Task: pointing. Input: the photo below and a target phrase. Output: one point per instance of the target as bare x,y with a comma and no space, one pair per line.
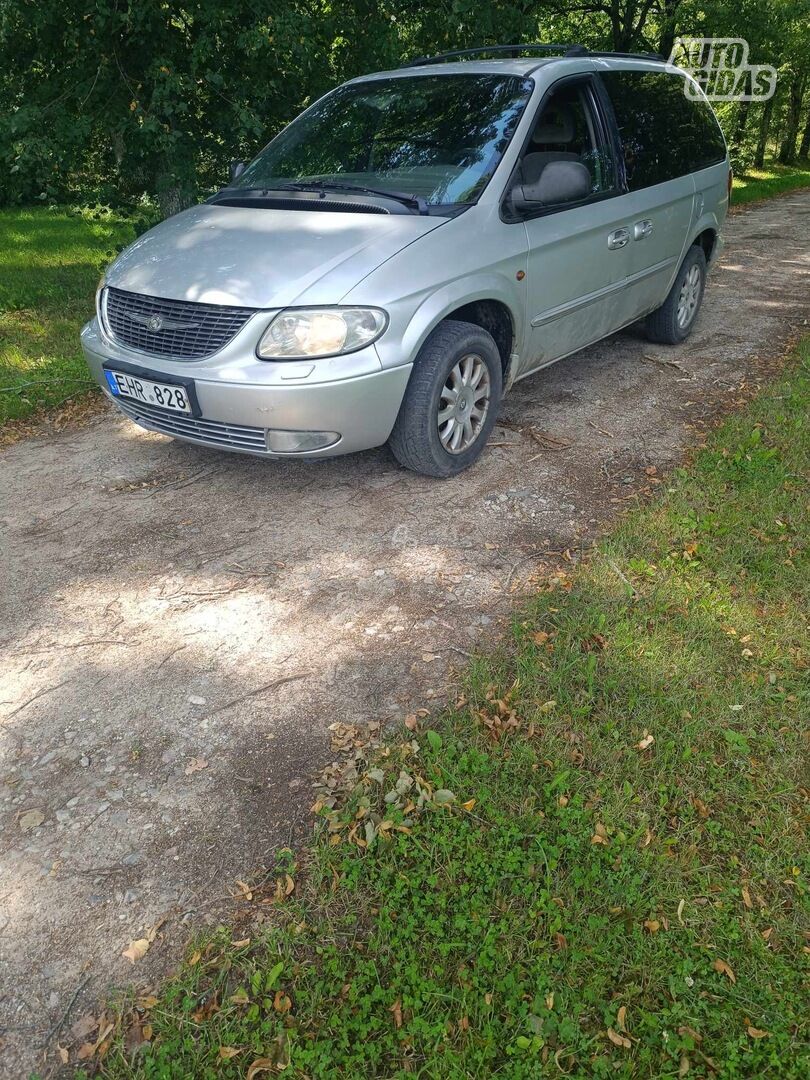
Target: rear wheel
451,402
672,323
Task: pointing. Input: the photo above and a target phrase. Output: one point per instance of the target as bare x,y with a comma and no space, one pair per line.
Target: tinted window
665,133
438,136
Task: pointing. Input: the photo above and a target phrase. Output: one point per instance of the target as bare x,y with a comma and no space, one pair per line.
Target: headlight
309,332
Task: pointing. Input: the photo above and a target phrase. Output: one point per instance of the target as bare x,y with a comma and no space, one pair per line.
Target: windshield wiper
335,185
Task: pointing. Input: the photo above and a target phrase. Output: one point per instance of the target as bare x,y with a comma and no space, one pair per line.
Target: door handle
618,239
642,229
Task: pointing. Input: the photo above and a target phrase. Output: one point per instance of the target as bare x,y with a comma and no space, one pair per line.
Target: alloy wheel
689,297
464,404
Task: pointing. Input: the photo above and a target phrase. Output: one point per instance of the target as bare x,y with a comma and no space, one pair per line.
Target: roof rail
564,50
625,55
514,50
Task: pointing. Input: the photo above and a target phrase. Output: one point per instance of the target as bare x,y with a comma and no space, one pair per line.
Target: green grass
626,895
765,183
50,261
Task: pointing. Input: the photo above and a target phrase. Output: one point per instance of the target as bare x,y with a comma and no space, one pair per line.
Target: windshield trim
440,209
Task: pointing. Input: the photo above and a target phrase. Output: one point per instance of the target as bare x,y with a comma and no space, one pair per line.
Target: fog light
297,442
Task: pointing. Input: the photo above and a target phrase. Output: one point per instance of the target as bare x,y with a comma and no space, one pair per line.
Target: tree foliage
111,100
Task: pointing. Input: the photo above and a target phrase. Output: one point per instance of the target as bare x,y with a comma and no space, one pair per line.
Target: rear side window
664,133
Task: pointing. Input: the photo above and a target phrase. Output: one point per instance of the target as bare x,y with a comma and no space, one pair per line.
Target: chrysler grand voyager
411,245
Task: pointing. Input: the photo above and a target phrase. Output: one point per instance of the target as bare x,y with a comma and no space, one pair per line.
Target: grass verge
594,864
50,261
765,183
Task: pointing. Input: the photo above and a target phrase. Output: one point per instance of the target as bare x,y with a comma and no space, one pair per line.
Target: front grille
180,329
213,432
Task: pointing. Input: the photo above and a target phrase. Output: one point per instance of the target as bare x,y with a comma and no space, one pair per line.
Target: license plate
164,395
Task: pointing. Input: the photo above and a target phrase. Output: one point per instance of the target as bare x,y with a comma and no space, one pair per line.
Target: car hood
261,257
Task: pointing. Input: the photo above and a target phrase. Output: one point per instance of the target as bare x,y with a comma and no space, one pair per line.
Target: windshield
439,137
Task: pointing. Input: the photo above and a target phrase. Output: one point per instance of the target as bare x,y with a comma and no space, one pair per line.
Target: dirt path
179,628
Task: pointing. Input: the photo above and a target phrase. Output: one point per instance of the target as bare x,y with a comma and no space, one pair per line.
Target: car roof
520,66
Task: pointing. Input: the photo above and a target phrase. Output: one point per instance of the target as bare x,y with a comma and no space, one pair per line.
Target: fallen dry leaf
621,1018
137,950
264,1064
746,897
652,925
540,638
226,1052
618,1040
724,969
64,1056
600,834
411,722
240,997
281,1003
757,1033
245,892
681,906
646,741
685,1030
396,1012
197,764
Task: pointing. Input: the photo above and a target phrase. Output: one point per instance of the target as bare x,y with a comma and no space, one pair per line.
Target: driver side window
567,129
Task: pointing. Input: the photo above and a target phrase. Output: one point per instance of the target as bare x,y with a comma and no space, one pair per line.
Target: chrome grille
212,432
174,328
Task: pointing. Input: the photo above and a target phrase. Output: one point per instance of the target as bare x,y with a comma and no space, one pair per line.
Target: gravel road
180,628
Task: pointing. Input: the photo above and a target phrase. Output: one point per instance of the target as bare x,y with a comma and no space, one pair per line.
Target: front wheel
451,401
672,323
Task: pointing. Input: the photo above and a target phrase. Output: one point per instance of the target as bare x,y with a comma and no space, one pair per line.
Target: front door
579,252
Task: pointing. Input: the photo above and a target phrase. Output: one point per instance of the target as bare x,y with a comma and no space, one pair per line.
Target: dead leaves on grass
723,968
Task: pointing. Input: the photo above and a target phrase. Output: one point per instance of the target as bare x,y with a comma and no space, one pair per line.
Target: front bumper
237,409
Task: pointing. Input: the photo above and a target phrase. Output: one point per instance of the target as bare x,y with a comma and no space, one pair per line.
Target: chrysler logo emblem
158,322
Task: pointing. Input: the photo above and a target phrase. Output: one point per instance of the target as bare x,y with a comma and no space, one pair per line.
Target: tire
672,323
459,358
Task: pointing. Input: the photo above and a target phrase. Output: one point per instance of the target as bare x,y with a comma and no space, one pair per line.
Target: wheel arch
486,303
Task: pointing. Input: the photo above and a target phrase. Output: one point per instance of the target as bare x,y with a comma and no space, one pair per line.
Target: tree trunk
787,150
666,40
764,129
739,127
804,149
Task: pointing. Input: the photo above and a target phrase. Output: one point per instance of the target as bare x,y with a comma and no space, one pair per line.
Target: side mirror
236,170
559,182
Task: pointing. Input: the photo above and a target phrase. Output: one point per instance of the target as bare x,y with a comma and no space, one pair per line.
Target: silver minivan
411,245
